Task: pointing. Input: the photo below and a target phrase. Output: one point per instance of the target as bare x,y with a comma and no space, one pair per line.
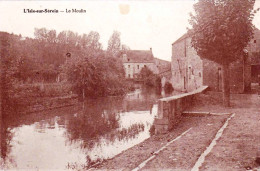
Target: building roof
142,56
181,38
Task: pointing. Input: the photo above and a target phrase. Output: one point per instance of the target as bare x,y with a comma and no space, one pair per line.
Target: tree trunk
83,96
226,87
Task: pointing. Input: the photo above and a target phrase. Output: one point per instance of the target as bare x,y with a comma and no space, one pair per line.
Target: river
76,137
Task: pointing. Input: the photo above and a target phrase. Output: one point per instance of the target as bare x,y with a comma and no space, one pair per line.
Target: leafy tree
150,79
114,44
95,76
221,29
91,44
9,67
125,48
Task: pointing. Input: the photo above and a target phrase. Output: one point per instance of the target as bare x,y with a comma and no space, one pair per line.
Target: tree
9,66
92,46
149,78
95,76
221,29
125,48
114,44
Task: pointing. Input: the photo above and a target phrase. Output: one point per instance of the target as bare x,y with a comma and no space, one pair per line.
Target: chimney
151,49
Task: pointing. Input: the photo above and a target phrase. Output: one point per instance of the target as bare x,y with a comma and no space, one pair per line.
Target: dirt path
237,148
182,154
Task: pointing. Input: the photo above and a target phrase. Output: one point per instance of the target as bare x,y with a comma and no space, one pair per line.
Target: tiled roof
139,56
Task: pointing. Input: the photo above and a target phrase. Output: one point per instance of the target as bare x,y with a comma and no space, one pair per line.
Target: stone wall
212,75
239,75
254,44
186,66
178,66
31,98
195,68
31,105
170,110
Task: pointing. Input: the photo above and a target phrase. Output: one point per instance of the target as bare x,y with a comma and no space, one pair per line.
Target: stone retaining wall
31,105
170,110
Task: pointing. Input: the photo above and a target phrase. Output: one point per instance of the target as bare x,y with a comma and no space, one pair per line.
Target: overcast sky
143,24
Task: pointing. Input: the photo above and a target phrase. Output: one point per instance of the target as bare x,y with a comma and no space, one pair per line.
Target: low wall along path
170,109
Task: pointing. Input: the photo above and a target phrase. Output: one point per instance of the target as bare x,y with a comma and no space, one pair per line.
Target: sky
142,24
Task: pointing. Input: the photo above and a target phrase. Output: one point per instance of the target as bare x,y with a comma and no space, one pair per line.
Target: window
128,59
144,65
137,66
128,66
254,41
128,75
199,74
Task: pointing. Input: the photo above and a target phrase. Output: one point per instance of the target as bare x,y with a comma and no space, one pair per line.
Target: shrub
168,87
149,78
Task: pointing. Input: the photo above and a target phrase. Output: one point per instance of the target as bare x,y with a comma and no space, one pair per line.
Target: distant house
189,71
135,60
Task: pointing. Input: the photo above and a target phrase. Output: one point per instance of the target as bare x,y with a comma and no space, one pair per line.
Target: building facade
254,54
190,72
135,60
187,67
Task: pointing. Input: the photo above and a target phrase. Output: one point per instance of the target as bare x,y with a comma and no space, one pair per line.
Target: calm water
77,138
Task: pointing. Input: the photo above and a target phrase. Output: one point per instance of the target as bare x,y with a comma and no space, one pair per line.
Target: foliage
114,44
125,48
9,67
221,30
41,59
150,79
99,76
168,87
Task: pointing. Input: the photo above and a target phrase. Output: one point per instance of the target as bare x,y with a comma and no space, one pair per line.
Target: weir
170,109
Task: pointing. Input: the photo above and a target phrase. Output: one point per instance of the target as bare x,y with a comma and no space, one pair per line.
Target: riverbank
38,97
234,150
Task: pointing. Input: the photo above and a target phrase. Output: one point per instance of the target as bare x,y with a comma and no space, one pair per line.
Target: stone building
254,54
186,66
135,60
190,72
164,68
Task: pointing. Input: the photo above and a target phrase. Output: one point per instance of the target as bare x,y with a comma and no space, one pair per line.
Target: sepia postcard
130,85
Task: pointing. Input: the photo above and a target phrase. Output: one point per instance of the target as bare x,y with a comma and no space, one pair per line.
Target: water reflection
76,138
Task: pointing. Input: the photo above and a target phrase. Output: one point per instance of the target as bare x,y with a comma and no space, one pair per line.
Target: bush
168,87
149,78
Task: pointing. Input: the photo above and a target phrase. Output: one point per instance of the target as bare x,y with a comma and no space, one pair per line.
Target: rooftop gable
181,38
